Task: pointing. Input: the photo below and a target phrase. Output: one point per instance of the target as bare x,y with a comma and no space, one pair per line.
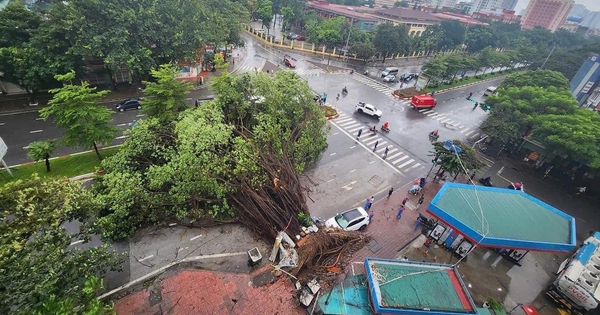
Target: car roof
354,213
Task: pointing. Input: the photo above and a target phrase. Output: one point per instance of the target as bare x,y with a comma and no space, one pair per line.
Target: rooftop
408,287
503,218
344,10
464,19
407,15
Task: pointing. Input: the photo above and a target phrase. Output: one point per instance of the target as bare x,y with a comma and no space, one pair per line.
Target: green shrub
304,219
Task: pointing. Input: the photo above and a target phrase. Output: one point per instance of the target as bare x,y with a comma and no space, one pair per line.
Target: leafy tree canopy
75,108
36,261
453,163
478,37
391,39
206,163
165,96
326,32
363,51
539,78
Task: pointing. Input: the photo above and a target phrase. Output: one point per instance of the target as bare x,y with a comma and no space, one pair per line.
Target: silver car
390,78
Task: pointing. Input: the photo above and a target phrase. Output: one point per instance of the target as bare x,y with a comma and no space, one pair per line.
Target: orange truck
423,101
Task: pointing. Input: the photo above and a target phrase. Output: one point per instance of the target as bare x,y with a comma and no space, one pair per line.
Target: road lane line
344,124
352,147
335,133
355,129
352,171
36,131
40,118
414,166
196,237
370,143
400,159
331,180
76,242
121,137
1,124
141,115
146,258
394,156
121,125
405,163
332,154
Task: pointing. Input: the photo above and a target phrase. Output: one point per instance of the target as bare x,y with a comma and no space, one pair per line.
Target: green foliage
568,61
454,163
75,108
165,96
363,51
41,150
86,303
35,258
391,39
539,78
304,219
263,10
191,168
325,32
478,37
401,4
288,16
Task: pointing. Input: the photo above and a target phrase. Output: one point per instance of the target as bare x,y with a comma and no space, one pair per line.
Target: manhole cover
375,181
374,246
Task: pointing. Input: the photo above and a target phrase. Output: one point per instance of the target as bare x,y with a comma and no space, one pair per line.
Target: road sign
3,149
448,145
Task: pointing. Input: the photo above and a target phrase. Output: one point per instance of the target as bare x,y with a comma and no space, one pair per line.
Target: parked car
299,38
408,76
291,36
132,103
355,219
490,91
368,109
390,78
204,99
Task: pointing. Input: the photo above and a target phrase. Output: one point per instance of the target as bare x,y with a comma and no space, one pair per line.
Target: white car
355,219
368,109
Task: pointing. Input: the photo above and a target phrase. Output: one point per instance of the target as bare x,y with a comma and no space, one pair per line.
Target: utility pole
349,31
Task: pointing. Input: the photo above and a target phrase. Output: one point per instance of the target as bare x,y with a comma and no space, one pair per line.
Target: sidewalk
389,234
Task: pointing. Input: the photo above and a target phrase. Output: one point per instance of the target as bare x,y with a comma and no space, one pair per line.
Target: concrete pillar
487,255
497,261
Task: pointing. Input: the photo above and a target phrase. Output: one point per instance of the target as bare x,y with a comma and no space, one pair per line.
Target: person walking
387,149
371,215
375,146
420,201
399,214
371,201
367,204
417,224
390,192
359,133
404,201
473,175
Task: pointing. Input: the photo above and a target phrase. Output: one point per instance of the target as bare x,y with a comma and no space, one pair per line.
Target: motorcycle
386,129
373,130
345,91
487,181
433,136
516,186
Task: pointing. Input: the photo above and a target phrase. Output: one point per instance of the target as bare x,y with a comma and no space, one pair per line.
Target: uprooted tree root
326,250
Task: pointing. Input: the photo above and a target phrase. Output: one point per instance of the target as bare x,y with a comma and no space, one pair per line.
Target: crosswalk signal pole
432,166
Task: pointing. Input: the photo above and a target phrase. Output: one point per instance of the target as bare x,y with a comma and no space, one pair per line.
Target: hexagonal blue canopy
503,218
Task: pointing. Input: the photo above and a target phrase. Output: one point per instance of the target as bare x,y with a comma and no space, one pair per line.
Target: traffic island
330,112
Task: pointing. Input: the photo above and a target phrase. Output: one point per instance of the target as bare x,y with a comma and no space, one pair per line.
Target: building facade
591,20
486,5
506,16
509,4
416,21
584,85
363,21
549,14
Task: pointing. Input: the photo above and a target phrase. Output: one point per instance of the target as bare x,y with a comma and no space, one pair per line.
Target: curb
455,87
160,270
67,155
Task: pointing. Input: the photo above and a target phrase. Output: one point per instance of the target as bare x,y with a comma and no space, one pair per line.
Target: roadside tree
86,303
364,51
325,32
263,10
36,261
453,34
435,69
41,150
539,78
453,163
75,108
165,96
390,40
478,37
401,4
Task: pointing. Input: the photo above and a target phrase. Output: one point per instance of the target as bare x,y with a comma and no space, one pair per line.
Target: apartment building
549,14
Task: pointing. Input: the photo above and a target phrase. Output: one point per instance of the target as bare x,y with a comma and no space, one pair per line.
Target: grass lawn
69,166
468,80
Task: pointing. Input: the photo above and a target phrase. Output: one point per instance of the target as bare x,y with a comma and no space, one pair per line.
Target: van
423,101
490,90
388,71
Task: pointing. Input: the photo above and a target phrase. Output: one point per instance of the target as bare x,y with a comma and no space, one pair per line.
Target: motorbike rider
373,129
434,133
345,90
470,95
385,126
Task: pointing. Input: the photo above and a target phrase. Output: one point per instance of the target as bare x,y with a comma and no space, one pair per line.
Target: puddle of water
526,282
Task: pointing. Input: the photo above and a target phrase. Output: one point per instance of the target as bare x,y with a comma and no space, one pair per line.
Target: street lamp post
550,54
349,31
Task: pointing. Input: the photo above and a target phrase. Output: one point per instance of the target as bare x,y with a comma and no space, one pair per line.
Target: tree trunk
97,152
47,157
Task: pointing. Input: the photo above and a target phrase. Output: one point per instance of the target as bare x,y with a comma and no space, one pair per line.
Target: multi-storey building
549,14
486,5
416,21
509,4
363,21
506,16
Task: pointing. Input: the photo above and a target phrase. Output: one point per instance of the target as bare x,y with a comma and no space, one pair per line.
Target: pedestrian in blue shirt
400,210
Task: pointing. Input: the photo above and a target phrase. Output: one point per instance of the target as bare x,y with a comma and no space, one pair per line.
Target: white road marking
36,131
335,133
182,249
440,117
141,115
372,162
369,143
40,118
121,137
121,125
332,154
344,124
352,147
414,166
146,258
392,151
76,242
444,120
331,180
382,143
405,163
400,159
196,237
1,124
427,111
172,224
469,133
352,171
355,129
394,156
343,120
352,126
473,136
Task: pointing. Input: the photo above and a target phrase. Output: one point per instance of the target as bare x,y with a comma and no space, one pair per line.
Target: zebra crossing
300,72
487,163
373,84
469,132
395,156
